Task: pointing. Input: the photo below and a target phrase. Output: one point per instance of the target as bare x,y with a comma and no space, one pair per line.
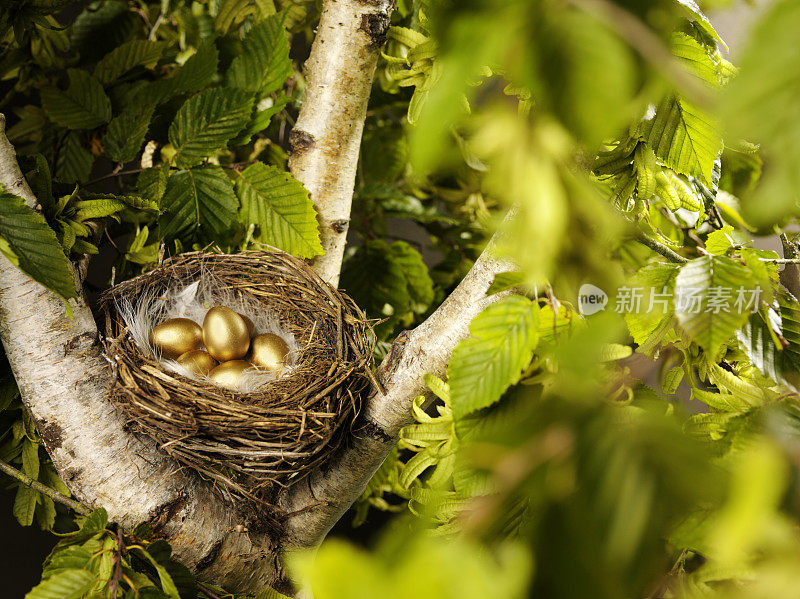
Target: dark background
22,550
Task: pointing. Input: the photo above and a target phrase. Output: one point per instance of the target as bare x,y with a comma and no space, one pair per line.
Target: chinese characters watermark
685,300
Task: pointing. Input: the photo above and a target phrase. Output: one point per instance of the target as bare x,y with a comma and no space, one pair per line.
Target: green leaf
95,522
30,459
263,64
41,184
196,73
260,121
706,293
198,200
206,122
696,57
126,133
167,584
233,12
418,281
506,280
758,338
101,27
280,207
25,505
73,162
71,557
724,402
67,584
84,105
650,323
754,107
501,343
45,513
720,241
790,329
33,247
152,182
684,138
693,11
126,57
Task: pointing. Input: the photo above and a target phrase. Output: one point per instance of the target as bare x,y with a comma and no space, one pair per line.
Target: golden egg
251,327
225,334
197,362
227,374
268,351
177,336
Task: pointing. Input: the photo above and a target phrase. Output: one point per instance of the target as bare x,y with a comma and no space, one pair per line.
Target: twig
112,175
44,489
117,557
781,260
207,592
160,19
660,248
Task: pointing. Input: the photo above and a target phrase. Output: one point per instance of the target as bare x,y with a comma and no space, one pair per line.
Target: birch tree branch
318,503
326,139
64,379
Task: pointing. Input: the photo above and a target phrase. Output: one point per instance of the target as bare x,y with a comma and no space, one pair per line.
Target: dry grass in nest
249,444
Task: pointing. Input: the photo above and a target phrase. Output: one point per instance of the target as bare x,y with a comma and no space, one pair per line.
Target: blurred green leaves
760,105
463,570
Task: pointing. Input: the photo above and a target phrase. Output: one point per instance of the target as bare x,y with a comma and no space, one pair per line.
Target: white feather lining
192,301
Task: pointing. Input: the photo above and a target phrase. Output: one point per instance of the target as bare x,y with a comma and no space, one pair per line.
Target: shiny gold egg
228,373
197,362
268,351
177,336
225,334
251,327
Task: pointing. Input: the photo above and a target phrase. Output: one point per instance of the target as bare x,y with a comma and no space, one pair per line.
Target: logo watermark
591,299
686,300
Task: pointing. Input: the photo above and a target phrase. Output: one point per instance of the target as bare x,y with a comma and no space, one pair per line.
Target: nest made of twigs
249,443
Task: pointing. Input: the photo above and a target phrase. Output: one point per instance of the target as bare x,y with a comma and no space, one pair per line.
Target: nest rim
249,444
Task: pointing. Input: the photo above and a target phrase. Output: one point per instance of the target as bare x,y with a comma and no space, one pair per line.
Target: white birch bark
64,382
326,139
328,493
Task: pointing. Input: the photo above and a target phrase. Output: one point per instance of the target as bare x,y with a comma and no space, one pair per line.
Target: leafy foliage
28,242
264,63
199,200
577,443
501,343
206,122
84,104
279,206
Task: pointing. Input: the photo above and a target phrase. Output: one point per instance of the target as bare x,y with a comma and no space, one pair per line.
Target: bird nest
249,442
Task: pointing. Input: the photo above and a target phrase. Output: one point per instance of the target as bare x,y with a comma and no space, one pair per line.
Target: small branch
318,504
660,248
117,558
111,175
44,489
